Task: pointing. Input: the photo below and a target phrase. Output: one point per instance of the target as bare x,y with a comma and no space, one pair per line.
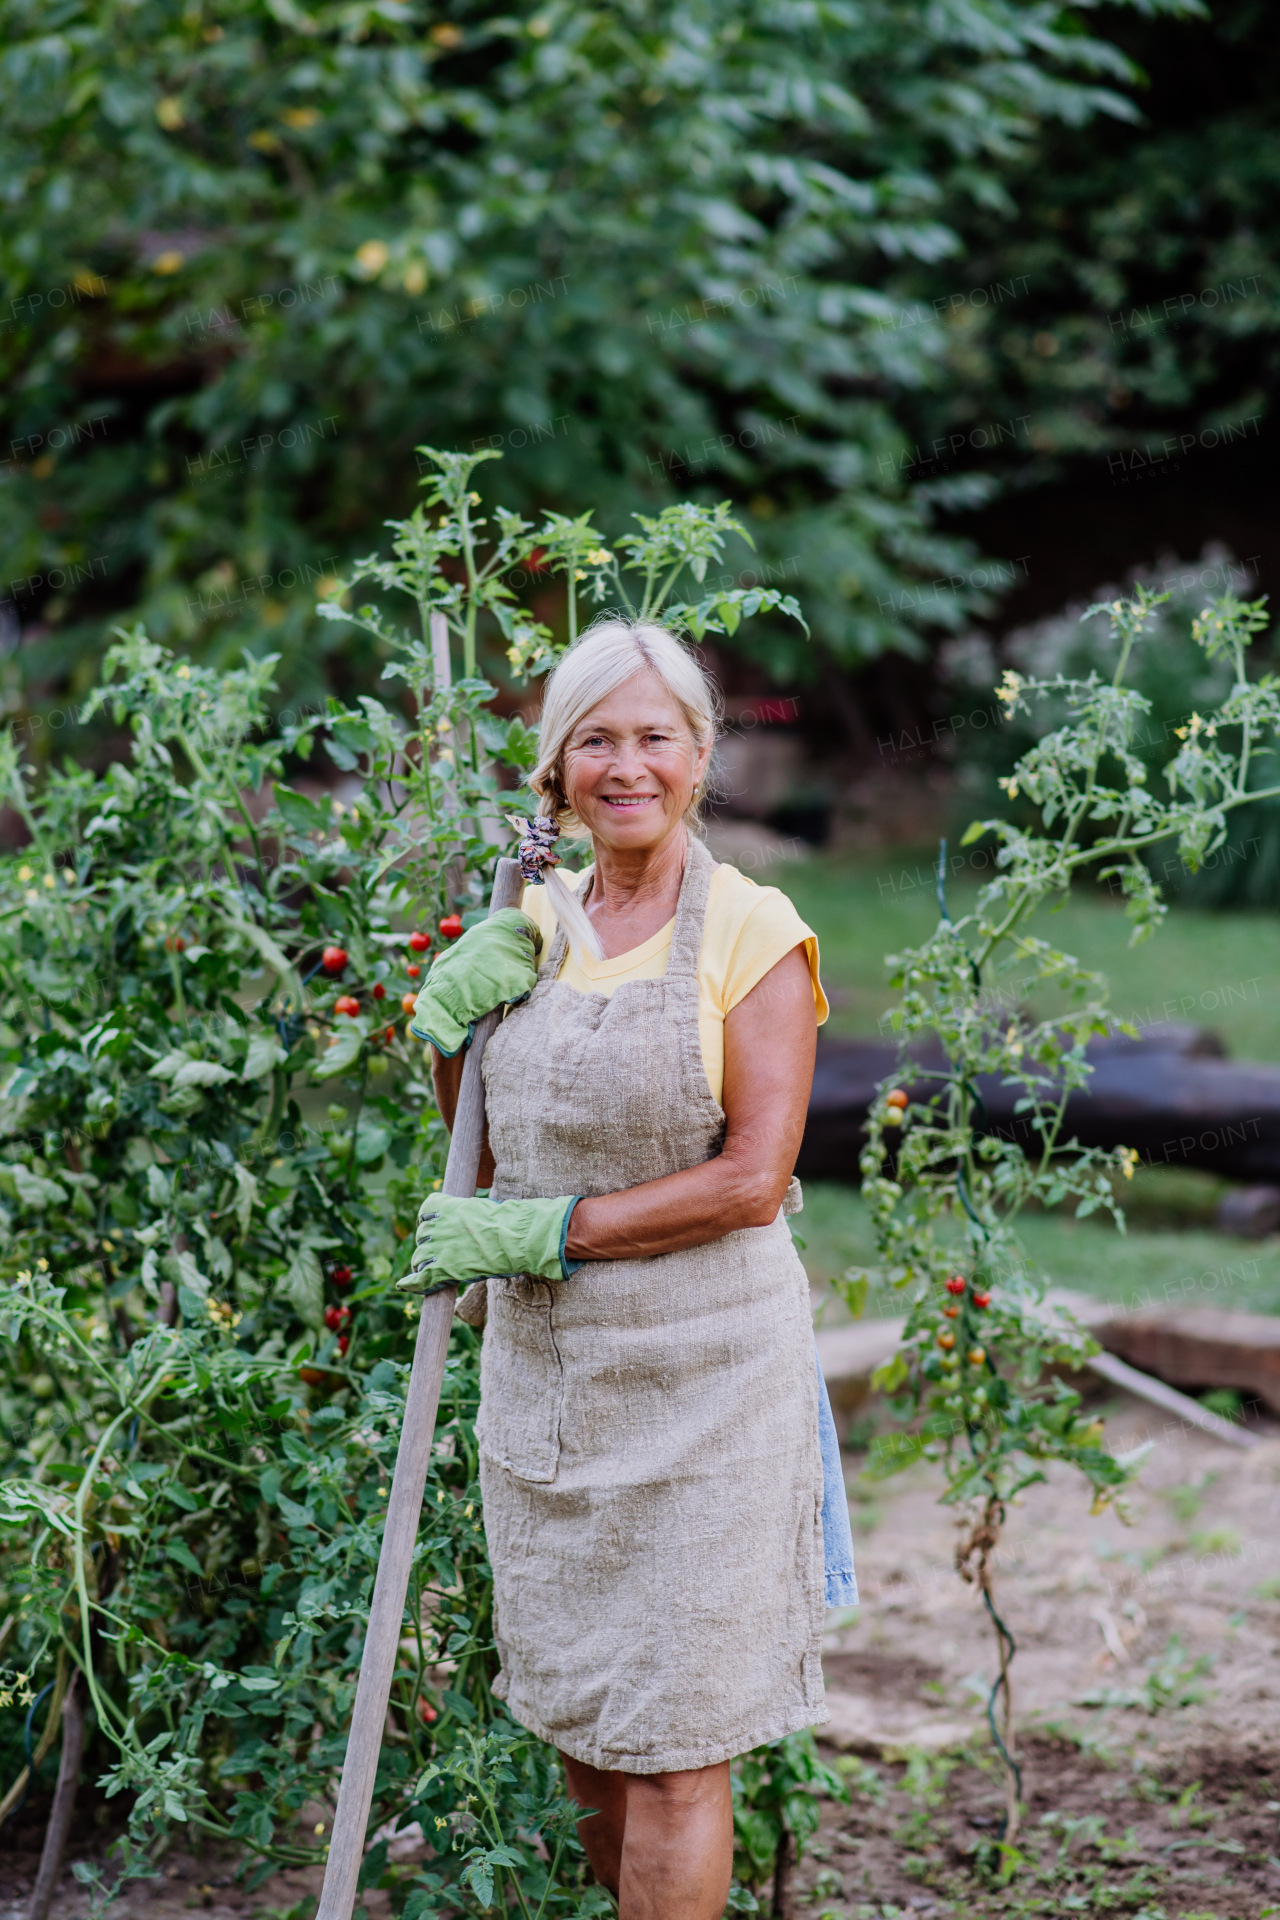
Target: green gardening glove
493,962
463,1240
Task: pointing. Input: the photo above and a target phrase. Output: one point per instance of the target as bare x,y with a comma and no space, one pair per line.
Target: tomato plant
974,1375
212,1153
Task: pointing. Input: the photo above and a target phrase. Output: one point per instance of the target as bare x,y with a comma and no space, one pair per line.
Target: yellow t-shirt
747,930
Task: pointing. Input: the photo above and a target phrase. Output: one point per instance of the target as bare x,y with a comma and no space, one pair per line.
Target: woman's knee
691,1790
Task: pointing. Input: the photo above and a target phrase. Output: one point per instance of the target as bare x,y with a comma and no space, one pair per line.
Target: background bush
255,254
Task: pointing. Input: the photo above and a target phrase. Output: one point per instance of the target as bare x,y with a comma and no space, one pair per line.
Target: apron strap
686,935
549,971
691,912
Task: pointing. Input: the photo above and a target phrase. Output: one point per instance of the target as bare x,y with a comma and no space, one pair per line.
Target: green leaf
890,1453
179,1550
246,1196
32,1189
371,1142
303,1285
201,1073
303,815
891,1374
342,1051
265,1052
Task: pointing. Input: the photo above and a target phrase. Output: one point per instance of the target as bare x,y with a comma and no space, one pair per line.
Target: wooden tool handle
386,1614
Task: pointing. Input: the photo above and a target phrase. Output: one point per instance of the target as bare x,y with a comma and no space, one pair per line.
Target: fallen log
1165,1094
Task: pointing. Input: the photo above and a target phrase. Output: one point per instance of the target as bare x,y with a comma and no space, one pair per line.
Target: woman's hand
462,1240
770,1039
494,962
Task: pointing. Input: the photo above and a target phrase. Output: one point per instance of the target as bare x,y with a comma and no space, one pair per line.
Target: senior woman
652,1427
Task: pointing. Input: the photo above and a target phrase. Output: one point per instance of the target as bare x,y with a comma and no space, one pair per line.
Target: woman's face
631,765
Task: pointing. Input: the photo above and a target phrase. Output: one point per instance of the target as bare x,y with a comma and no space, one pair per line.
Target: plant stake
404,1508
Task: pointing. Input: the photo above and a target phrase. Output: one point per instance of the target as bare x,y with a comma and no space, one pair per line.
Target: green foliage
975,1369
1124,291
776,1793
1172,1680
256,253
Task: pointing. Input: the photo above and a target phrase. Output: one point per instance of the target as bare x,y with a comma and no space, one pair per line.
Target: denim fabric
837,1534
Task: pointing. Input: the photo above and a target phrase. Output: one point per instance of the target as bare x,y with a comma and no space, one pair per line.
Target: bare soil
1147,1694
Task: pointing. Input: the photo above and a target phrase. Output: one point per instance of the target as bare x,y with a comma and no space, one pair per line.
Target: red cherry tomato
346,1004
344,1341
419,942
341,1276
333,959
956,1284
413,972
388,1036
896,1099
336,1318
408,1002
427,1711
951,1312
451,926
175,943
982,1299
379,991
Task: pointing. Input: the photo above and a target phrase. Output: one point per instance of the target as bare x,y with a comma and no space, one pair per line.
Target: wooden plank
413,1458
1190,1412
1203,1347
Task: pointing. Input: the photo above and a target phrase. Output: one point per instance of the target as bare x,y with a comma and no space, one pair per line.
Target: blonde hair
608,654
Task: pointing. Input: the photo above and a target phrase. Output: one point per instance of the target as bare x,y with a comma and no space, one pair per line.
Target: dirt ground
1147,1690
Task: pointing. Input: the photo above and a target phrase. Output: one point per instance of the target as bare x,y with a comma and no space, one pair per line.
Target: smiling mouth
627,799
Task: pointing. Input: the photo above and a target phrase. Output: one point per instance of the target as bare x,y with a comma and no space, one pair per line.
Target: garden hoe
386,1614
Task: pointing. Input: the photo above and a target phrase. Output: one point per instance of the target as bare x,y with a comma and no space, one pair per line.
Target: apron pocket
521,1381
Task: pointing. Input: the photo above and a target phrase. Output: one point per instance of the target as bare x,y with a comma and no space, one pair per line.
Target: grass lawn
1219,970
1143,1268
1213,970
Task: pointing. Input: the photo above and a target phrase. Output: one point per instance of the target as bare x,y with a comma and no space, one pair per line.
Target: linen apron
648,1429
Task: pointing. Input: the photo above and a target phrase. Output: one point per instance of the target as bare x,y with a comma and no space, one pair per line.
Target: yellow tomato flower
372,257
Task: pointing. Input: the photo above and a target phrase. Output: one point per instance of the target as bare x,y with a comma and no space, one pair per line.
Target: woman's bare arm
446,1078
769,1044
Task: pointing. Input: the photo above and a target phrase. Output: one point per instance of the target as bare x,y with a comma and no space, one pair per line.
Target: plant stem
82,1491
